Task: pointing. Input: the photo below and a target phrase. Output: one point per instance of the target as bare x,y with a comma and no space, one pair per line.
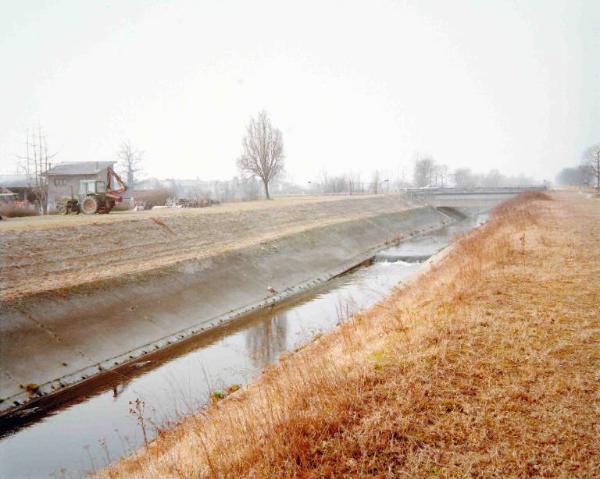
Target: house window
60,181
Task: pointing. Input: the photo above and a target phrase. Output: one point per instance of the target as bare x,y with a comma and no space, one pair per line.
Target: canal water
98,429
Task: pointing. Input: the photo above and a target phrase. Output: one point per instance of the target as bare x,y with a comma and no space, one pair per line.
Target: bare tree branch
591,157
424,171
262,151
35,164
130,160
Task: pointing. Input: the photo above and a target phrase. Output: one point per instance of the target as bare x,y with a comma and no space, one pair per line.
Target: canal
98,427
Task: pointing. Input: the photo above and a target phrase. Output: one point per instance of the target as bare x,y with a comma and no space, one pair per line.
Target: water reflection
266,341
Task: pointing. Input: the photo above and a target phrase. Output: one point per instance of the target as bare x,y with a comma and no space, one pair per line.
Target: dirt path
43,254
486,366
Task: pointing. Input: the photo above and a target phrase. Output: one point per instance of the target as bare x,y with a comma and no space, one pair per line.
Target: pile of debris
195,203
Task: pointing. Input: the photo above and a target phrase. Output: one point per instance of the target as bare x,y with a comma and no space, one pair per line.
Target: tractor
97,196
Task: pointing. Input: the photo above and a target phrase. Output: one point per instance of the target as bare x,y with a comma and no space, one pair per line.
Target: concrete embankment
52,342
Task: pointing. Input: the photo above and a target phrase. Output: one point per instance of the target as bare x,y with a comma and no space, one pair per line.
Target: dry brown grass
486,366
70,251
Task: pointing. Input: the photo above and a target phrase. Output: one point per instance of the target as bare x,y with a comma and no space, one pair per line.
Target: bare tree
441,175
580,176
591,157
324,181
464,178
375,181
400,180
131,160
262,150
334,184
35,164
355,185
424,171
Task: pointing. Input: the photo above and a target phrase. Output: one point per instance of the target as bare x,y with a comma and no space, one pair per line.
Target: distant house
6,195
20,185
64,178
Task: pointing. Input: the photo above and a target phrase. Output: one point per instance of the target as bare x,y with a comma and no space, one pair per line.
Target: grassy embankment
486,366
63,253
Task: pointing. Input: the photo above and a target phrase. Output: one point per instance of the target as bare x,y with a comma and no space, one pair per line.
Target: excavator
97,196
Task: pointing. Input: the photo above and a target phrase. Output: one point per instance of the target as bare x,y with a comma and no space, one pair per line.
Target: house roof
5,192
14,181
79,168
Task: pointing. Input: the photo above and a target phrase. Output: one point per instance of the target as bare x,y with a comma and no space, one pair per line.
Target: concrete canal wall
51,343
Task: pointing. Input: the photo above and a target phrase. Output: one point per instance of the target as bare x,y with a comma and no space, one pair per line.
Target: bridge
477,197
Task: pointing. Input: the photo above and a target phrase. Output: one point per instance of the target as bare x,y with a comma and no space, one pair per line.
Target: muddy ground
43,254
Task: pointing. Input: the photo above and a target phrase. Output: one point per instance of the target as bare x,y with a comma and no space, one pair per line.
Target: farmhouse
64,178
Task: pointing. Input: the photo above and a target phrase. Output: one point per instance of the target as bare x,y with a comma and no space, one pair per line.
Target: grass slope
486,366
63,252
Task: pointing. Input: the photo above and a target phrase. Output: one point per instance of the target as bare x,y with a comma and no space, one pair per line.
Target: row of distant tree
262,157
261,165
586,173
429,173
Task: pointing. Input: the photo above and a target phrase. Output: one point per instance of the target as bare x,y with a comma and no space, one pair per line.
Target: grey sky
513,85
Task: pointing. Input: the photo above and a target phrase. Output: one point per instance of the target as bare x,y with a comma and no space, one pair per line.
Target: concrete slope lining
51,343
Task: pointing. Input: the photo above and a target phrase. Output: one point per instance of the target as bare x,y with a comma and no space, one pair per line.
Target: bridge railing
473,190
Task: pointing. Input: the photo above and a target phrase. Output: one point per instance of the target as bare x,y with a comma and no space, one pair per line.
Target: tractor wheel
89,205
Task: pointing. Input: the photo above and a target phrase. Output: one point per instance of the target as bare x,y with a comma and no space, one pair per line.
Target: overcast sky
513,85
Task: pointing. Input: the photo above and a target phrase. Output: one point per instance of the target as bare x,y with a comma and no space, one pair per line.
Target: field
41,254
487,365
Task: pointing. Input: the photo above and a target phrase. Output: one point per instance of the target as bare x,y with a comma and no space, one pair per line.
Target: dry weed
484,367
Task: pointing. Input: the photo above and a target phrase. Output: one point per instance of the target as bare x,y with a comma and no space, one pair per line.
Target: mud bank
50,344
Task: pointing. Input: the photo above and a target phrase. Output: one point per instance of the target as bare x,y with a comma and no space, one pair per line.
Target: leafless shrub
10,211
